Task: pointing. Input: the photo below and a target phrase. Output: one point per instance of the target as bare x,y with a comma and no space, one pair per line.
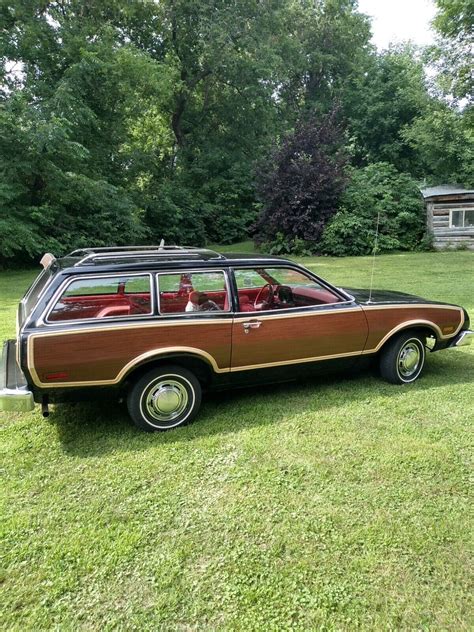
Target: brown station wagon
159,325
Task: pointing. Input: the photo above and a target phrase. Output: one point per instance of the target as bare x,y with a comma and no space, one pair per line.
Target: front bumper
463,338
14,393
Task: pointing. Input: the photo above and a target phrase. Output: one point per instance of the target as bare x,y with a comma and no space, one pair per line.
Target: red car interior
100,306
121,304
175,302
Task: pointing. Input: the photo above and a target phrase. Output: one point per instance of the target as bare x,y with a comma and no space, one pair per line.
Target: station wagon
160,325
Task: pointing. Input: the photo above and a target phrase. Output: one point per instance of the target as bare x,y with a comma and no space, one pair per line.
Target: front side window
188,292
279,288
462,218
105,297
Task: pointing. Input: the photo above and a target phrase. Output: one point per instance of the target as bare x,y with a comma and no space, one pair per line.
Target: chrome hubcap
167,400
409,359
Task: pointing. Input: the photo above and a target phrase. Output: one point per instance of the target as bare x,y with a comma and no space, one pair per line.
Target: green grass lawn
331,505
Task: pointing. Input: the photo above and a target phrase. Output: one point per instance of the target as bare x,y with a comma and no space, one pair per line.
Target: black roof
118,259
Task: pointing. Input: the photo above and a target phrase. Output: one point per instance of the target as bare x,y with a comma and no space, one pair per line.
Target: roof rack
105,249
91,255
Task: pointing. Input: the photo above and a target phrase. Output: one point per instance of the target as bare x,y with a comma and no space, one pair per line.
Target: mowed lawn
336,504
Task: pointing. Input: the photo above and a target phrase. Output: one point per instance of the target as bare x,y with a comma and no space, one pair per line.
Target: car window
279,288
103,297
248,278
192,292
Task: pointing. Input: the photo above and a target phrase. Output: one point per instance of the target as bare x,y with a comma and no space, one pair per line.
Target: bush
377,189
282,245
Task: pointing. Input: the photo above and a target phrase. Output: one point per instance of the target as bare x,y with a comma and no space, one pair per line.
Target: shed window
462,218
104,297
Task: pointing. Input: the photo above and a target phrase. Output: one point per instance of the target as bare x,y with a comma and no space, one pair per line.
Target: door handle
251,324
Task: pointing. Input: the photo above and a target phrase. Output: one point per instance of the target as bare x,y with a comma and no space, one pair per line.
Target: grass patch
335,505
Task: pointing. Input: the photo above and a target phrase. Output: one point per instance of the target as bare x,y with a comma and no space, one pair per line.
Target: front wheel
164,398
403,358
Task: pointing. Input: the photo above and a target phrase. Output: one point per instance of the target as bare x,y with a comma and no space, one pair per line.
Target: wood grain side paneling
312,336
382,320
99,355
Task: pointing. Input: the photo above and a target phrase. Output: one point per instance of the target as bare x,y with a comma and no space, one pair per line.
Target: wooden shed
450,215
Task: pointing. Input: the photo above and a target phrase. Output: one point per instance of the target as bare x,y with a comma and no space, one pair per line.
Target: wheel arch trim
171,353
407,325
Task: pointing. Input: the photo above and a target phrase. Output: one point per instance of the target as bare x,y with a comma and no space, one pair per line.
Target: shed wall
438,223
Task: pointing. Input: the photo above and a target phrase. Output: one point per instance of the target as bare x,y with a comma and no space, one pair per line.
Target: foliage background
130,122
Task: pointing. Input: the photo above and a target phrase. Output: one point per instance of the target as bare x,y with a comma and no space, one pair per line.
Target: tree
329,50
443,140
453,53
54,202
141,120
391,95
301,182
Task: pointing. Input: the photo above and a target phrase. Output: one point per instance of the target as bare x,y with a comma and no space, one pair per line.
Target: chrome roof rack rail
120,249
90,255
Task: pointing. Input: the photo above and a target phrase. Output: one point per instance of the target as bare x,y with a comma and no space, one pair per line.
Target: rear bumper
464,338
14,393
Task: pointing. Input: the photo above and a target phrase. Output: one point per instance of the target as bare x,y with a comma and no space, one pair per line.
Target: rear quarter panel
103,355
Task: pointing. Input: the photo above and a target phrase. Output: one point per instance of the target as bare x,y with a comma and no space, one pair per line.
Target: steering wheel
269,301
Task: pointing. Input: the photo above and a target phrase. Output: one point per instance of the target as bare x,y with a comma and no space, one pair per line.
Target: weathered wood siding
438,212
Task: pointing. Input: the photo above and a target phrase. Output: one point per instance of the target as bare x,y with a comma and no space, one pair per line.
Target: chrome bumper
14,393
464,338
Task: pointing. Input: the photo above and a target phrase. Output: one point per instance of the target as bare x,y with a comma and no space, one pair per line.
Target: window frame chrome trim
43,319
190,315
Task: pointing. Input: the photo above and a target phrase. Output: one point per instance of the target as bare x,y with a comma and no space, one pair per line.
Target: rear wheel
403,358
164,398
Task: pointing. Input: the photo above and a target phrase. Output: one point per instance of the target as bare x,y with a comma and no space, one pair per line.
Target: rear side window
193,292
104,297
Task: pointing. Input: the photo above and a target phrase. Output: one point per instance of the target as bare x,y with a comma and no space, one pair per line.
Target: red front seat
246,304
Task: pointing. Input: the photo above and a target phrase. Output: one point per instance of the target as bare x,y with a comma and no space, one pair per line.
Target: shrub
377,190
282,245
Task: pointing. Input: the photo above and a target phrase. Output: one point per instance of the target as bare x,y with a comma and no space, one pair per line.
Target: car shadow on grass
91,429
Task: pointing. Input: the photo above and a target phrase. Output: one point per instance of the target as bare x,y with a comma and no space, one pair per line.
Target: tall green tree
329,46
390,97
443,141
453,53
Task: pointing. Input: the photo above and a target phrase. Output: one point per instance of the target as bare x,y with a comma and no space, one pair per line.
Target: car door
306,321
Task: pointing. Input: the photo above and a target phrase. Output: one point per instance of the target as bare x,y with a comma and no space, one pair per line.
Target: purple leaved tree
301,182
